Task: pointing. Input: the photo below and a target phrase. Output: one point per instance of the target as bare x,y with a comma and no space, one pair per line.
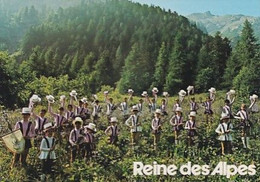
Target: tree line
125,45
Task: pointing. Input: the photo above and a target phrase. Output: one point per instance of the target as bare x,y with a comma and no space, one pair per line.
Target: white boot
244,142
155,146
176,142
43,178
247,142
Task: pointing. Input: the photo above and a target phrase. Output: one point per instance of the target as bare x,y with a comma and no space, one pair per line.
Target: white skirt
136,129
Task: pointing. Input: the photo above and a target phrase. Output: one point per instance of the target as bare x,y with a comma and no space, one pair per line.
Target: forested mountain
117,39
13,6
123,45
92,46
17,17
229,26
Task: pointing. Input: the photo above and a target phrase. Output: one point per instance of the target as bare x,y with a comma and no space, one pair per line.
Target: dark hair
78,116
77,122
227,101
44,110
61,108
26,114
70,105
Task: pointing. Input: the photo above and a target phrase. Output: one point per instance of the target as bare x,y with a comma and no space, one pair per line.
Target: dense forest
92,46
17,17
120,44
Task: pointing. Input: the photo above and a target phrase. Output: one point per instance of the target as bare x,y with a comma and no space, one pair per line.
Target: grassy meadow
115,163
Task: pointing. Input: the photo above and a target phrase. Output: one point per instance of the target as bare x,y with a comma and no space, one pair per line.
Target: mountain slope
97,38
229,25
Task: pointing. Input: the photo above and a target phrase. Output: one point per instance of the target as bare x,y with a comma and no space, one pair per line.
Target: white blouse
221,129
45,150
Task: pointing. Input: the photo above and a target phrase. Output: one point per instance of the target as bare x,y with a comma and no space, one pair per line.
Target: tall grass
115,163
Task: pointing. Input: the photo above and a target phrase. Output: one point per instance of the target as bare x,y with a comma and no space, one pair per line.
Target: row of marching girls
134,121
47,144
70,125
79,137
42,131
225,128
177,124
65,119
194,105
135,124
82,109
176,121
81,140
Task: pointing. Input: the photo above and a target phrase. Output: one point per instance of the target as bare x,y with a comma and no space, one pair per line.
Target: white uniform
96,110
140,107
227,110
175,106
254,107
194,106
156,122
134,122
212,96
110,108
45,149
124,108
222,129
243,114
152,107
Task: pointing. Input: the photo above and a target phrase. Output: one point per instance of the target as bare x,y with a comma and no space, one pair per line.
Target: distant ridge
229,25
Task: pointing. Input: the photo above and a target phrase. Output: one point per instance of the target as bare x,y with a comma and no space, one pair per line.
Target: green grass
113,163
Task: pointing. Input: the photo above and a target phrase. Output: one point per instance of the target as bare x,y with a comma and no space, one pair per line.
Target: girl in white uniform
224,130
177,123
134,123
47,155
191,128
245,125
156,127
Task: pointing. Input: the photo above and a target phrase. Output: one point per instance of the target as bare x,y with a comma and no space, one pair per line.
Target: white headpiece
155,90
144,93
50,98
212,90
182,93
35,98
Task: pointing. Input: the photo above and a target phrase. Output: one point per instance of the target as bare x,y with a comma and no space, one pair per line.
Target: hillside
115,163
114,45
108,41
17,17
123,45
229,25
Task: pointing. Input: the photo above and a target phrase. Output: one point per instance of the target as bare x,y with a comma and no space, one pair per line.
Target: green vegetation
115,45
115,163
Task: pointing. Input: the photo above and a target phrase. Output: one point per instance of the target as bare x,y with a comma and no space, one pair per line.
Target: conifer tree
242,55
177,61
161,67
